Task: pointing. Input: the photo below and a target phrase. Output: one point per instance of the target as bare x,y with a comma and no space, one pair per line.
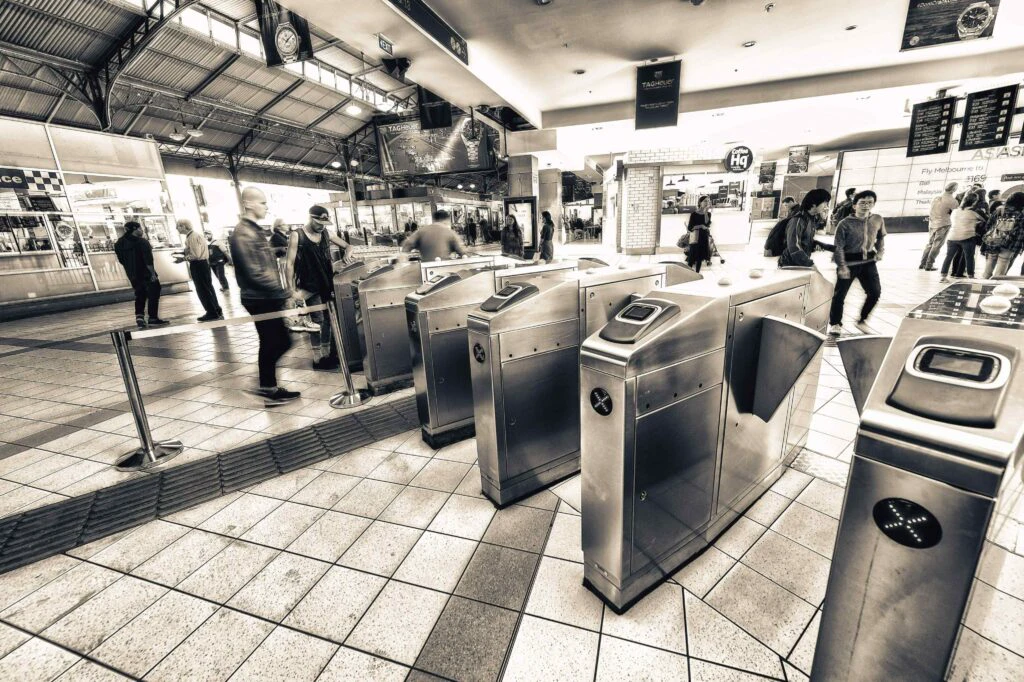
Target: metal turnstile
387,363
347,300
436,314
524,343
935,477
685,402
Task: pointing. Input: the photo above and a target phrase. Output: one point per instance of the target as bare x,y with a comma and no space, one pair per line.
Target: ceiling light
543,2
750,43
178,136
194,132
335,164
353,163
353,110
472,185
579,72
459,186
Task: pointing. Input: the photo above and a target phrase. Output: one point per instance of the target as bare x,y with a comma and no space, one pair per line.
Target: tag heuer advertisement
285,35
939,22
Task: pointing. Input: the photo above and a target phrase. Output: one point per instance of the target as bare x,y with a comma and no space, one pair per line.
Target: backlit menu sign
940,22
931,126
435,27
987,118
799,159
766,173
657,95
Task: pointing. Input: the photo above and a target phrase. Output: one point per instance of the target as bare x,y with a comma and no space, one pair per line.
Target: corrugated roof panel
293,110
339,125
109,18
154,67
187,47
238,93
49,35
219,139
341,60
236,9
319,158
74,113
25,104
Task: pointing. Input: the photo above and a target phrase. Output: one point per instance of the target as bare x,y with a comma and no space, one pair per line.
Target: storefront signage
739,160
657,95
12,178
931,126
766,173
385,44
435,27
987,118
799,160
285,35
940,22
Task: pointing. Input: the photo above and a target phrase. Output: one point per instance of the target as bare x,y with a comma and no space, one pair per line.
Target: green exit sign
385,44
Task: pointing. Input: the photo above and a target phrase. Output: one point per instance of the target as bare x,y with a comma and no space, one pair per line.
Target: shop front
386,215
65,195
682,189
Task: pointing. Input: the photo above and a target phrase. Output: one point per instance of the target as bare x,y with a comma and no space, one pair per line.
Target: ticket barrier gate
685,399
347,298
525,343
935,477
436,315
387,363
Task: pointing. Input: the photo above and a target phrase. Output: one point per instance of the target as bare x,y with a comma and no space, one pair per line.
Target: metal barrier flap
786,350
862,358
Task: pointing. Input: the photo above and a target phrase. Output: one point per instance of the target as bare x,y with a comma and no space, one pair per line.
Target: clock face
975,17
287,41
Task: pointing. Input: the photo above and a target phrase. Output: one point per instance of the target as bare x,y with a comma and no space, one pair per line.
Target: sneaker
140,322
207,318
310,326
157,322
326,364
862,325
835,330
931,269
943,279
275,396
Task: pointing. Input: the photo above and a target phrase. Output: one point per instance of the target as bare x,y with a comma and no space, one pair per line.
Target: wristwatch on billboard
287,41
974,20
471,133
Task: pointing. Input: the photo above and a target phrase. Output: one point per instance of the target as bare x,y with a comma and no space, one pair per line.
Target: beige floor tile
657,620
823,496
381,548
810,528
87,671
27,579
222,576
713,637
329,536
336,603
286,656
181,558
621,660
552,651
241,515
704,571
791,565
740,537
702,671
368,498
566,538
36,661
326,490
56,599
85,628
441,475
282,526
284,486
436,561
558,594
415,507
398,623
349,665
279,587
215,650
465,517
398,468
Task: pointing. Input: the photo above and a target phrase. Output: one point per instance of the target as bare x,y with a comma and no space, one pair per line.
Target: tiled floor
386,563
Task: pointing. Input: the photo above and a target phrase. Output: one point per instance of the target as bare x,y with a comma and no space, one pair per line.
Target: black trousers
867,275
218,271
275,340
201,275
965,249
146,291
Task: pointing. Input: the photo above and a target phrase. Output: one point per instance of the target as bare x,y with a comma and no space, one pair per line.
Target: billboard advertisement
407,149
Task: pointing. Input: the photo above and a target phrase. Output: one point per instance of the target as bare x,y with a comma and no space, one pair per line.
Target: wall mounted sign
657,95
1012,177
12,178
987,118
799,160
285,35
739,160
435,27
766,173
931,126
939,22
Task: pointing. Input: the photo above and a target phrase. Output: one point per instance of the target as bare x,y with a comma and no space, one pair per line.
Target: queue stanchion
351,396
150,453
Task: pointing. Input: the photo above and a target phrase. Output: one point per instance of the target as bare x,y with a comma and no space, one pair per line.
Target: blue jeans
965,247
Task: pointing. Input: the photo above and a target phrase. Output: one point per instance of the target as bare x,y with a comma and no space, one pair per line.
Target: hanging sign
434,26
987,118
657,95
940,22
285,35
385,44
766,173
739,160
799,160
931,126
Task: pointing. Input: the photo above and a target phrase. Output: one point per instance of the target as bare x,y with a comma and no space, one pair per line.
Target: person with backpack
775,244
218,259
801,227
1004,238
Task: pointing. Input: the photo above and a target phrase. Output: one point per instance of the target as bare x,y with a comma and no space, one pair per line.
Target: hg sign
739,160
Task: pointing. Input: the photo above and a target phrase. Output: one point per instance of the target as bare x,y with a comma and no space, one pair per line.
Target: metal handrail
152,453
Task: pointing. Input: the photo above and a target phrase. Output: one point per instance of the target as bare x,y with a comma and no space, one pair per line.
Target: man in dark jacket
261,292
803,223
136,256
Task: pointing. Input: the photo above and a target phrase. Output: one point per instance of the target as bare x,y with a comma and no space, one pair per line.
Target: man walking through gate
197,255
939,222
261,292
136,256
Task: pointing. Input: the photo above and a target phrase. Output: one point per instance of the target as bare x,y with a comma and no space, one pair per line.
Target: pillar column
523,178
549,199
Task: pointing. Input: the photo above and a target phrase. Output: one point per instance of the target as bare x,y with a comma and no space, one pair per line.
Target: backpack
999,232
775,244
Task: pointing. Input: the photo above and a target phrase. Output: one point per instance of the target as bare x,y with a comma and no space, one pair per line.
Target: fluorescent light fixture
353,110
335,164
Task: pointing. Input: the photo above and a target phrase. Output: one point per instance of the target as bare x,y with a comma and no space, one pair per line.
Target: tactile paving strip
58,527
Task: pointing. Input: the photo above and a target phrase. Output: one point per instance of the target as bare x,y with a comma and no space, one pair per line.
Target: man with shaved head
261,291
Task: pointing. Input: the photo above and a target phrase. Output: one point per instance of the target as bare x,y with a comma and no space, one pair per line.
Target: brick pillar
641,210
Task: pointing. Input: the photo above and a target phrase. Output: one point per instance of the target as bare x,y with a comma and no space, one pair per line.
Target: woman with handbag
512,237
1004,238
698,231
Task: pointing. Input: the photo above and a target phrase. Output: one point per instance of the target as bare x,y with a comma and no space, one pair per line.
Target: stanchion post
350,397
150,453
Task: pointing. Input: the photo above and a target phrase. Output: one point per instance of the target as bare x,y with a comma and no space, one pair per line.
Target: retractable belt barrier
152,453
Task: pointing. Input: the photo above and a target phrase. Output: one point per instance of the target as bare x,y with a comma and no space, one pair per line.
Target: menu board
766,173
987,118
799,159
931,126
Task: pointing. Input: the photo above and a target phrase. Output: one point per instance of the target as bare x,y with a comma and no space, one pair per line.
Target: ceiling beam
280,96
212,76
330,112
367,71
56,106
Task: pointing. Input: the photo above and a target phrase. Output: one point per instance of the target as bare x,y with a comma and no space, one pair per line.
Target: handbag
694,237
